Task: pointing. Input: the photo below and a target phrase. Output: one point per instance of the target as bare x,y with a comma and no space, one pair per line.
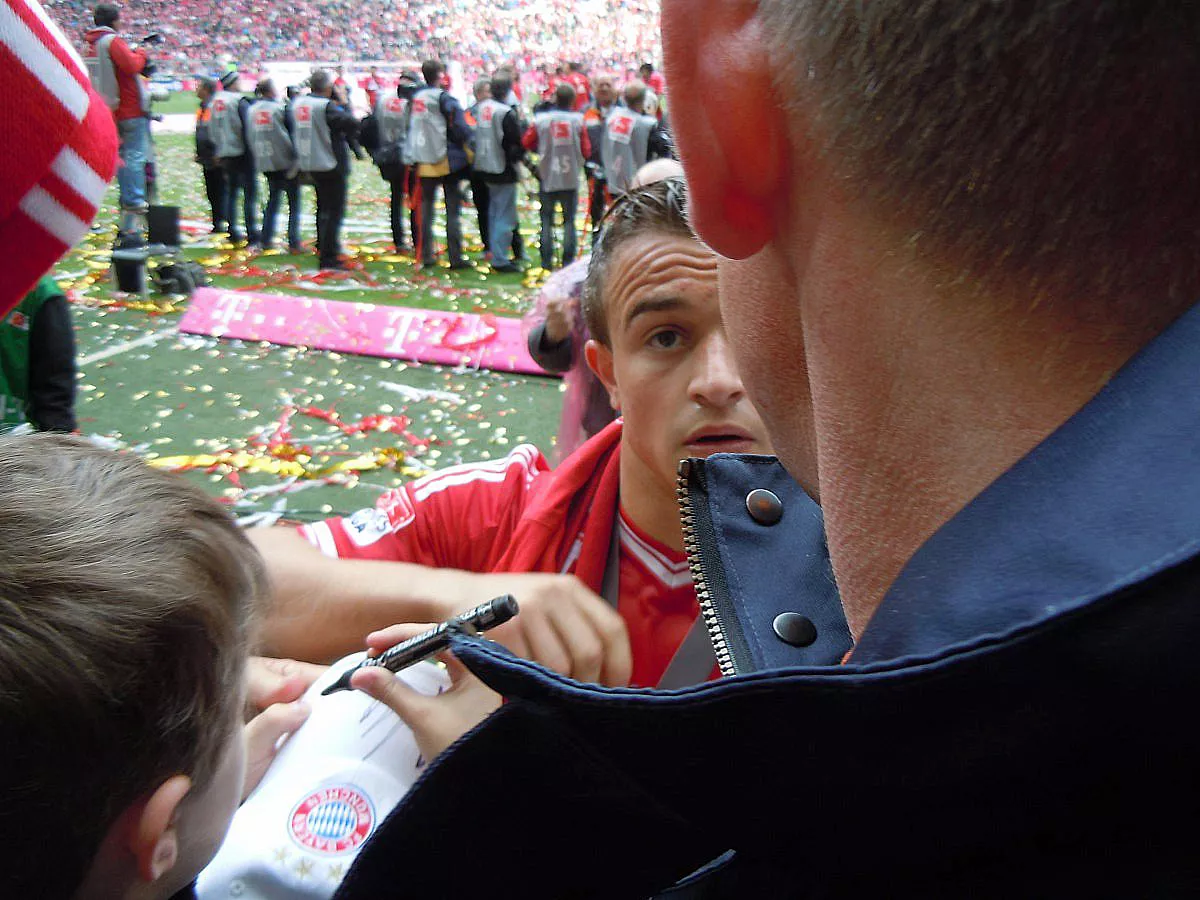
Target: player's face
670,372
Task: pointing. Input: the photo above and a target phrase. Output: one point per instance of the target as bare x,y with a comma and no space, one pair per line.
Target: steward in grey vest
390,112
427,142
225,126
313,139
559,142
626,146
269,139
489,137
102,73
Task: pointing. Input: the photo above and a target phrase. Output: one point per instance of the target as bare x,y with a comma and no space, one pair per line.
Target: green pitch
219,409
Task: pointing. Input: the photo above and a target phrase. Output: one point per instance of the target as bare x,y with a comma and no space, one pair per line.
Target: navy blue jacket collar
1108,500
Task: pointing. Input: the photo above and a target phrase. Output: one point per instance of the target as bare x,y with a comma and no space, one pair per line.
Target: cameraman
115,69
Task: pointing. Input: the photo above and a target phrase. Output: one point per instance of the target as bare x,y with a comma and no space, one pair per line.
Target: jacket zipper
713,620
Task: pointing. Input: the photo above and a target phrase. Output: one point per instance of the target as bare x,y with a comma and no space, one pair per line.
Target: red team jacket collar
583,497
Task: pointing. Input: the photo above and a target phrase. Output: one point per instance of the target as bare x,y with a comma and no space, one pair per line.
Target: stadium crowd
480,35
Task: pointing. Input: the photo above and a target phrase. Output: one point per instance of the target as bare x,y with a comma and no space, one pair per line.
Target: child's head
124,600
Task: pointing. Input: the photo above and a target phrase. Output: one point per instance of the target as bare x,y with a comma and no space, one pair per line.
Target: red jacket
128,65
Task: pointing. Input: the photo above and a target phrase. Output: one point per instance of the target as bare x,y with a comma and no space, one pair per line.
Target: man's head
564,96
501,87
605,91
124,601
432,71
635,96
205,88
645,70
574,67
373,71
483,89
106,15
266,89
408,85
658,340
321,83
1039,156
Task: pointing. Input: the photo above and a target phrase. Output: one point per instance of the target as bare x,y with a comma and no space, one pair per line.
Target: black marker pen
422,646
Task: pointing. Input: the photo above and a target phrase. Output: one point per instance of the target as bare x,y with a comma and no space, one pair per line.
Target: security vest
226,125
561,147
14,354
102,72
626,146
103,75
314,142
427,142
489,138
390,114
269,139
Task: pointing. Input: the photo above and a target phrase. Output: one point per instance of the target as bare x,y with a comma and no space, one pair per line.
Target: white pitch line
144,341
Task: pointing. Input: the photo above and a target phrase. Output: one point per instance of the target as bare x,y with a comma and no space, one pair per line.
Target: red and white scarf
58,146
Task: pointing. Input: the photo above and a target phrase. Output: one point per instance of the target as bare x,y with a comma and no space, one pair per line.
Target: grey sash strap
693,662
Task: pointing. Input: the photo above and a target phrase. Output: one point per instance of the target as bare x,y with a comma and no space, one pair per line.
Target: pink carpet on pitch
490,342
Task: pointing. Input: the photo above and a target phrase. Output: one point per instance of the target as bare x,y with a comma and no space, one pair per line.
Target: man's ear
730,127
600,360
153,839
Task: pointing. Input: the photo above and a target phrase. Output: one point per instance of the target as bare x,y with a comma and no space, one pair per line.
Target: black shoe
510,269
335,265
462,264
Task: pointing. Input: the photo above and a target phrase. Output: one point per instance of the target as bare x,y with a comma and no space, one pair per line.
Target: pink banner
422,335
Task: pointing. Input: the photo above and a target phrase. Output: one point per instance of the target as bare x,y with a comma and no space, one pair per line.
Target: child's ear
152,837
600,360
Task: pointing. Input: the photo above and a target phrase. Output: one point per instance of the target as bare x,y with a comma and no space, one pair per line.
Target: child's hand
437,722
271,681
263,736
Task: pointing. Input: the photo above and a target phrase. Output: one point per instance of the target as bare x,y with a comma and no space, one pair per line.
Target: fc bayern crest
332,820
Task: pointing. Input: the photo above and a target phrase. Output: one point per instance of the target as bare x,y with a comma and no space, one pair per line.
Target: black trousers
401,185
331,209
481,197
217,188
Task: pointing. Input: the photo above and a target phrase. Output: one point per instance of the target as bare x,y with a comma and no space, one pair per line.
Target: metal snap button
764,507
795,629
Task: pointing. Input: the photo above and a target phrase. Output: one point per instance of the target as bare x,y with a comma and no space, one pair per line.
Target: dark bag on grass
180,277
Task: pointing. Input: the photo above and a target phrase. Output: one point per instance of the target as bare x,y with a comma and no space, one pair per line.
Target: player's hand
272,681
562,625
560,318
437,722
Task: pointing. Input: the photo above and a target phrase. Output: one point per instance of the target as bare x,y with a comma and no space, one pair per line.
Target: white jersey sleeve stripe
320,536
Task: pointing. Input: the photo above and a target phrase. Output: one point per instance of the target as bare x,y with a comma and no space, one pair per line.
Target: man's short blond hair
1050,145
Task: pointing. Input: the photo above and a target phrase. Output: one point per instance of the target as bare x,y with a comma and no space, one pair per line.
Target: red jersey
583,90
372,87
470,517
